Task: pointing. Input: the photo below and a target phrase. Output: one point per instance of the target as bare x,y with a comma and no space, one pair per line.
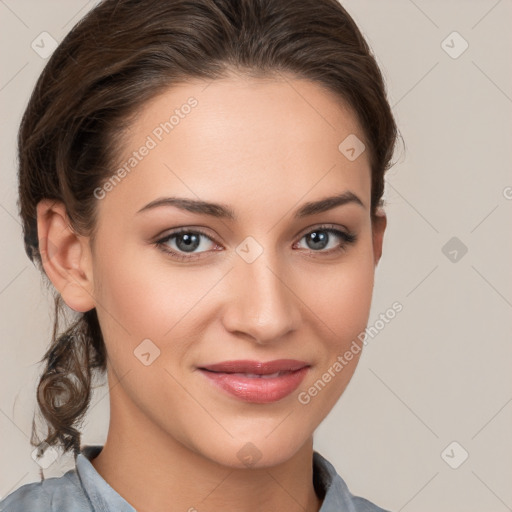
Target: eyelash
347,239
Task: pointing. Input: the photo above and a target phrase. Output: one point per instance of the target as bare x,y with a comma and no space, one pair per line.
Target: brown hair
120,55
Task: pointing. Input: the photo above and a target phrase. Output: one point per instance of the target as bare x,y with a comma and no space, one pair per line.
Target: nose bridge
261,304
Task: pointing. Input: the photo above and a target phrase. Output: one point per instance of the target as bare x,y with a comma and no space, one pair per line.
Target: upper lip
256,367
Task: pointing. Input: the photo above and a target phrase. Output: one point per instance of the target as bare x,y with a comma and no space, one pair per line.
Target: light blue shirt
83,489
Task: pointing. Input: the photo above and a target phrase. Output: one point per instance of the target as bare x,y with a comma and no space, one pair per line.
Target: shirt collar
337,495
328,484
102,497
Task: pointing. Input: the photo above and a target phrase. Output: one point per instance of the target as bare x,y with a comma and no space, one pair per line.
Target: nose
262,303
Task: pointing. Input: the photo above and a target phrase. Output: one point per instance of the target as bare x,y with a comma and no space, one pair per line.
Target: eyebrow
222,211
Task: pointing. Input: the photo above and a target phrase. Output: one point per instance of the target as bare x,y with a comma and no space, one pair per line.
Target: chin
256,452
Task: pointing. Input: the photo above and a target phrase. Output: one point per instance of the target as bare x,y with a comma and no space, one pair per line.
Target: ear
65,256
378,227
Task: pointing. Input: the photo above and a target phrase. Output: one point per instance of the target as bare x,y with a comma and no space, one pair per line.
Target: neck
150,469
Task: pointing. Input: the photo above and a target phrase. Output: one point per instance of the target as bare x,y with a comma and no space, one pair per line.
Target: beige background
440,370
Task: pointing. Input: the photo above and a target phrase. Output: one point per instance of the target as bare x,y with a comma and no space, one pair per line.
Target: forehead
244,140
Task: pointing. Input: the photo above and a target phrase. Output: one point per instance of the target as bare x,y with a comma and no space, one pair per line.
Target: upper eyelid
326,226
179,231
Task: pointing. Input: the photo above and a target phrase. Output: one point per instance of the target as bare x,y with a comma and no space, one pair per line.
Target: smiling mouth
257,382
253,375
256,368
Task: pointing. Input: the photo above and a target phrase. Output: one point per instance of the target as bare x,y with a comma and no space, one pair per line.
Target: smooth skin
263,148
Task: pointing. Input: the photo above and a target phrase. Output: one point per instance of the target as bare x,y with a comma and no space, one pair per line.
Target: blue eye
184,241
189,244
321,239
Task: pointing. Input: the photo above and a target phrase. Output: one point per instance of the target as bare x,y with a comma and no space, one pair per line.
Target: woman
201,181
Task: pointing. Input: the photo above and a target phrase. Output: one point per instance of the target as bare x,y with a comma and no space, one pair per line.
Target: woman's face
262,275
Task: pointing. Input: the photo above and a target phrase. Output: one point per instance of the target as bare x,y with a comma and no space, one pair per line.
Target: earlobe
64,256
378,227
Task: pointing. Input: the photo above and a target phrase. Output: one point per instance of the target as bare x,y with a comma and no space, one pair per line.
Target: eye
328,239
189,244
183,243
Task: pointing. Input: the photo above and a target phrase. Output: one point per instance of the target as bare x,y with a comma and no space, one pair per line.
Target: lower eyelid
164,241
346,237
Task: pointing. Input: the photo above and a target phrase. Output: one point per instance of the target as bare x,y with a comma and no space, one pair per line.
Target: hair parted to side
122,54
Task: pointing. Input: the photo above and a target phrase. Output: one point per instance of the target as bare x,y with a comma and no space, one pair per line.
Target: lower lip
259,390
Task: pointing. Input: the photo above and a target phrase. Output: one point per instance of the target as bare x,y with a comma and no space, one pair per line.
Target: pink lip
228,376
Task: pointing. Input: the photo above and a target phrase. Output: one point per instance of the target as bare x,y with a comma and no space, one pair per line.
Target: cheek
341,309
341,297
135,292
140,297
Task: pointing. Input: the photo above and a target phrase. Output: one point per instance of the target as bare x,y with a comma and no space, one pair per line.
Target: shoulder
363,505
58,494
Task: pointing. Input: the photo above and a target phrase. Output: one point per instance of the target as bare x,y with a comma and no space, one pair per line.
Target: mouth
257,382
253,375
257,368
